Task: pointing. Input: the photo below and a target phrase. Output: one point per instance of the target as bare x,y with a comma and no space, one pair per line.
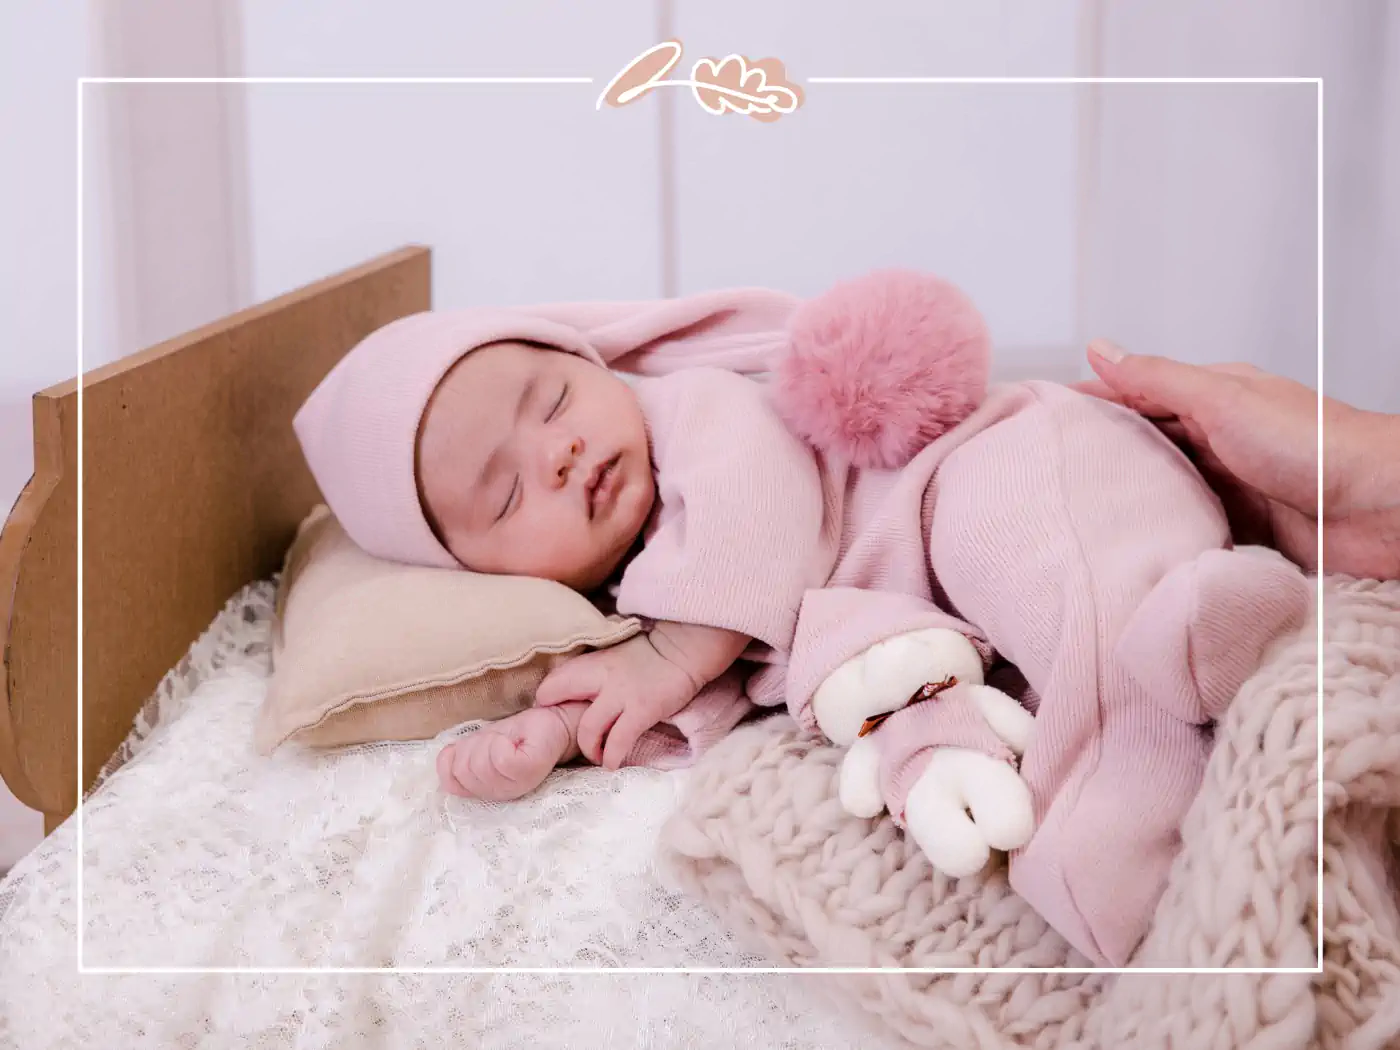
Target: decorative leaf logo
646,71
733,84
759,90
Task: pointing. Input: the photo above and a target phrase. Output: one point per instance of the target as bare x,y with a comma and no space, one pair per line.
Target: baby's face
534,462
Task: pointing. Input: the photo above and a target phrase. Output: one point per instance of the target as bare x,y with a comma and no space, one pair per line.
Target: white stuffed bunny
965,803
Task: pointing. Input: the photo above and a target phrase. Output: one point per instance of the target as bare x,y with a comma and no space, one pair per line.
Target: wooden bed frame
193,485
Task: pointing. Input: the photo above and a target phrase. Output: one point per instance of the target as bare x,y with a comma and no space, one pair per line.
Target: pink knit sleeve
739,535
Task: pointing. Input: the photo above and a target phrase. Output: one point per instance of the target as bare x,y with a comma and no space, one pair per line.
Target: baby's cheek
562,548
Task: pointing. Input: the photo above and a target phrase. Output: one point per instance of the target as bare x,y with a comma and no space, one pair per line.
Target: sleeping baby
536,462
874,568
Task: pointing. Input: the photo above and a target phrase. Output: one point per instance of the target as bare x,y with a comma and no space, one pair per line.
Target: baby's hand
510,758
631,687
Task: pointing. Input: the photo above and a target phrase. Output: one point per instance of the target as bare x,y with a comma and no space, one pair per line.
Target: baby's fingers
595,726
447,776
464,766
624,736
576,679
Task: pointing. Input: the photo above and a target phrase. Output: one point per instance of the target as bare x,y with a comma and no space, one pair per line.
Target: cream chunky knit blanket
762,837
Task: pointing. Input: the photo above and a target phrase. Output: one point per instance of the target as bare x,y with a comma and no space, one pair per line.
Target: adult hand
1254,437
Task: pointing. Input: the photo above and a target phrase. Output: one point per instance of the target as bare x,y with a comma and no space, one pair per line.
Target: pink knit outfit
1055,531
1082,544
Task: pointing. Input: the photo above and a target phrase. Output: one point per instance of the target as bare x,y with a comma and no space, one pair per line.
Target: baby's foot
1206,626
510,758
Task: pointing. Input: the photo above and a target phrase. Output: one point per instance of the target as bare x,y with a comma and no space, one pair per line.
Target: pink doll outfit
1061,533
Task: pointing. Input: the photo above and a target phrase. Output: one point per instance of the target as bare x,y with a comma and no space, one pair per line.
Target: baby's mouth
600,487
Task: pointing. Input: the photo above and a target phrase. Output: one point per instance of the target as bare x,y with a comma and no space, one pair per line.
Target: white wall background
519,198
974,182
1177,220
1204,242
524,200
40,59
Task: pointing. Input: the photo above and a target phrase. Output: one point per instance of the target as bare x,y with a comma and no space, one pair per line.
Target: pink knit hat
359,428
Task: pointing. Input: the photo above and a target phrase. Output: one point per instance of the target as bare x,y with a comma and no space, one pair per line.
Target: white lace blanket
198,853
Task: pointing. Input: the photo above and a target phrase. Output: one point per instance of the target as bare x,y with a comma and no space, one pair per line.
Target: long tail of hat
742,330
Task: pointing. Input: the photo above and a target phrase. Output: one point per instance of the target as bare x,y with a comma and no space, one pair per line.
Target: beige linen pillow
366,649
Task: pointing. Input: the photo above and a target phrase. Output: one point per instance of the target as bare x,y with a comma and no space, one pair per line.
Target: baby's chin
597,574
634,509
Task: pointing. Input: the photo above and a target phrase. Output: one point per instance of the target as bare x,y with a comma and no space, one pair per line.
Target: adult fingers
1235,368
1185,432
1101,390
1159,386
1295,535
1246,509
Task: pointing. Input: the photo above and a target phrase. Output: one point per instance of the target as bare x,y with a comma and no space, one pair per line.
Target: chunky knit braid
763,838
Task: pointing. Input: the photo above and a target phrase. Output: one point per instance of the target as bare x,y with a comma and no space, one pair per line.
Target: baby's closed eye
558,403
510,499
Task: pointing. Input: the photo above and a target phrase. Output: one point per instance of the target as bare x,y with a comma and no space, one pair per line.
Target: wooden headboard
193,485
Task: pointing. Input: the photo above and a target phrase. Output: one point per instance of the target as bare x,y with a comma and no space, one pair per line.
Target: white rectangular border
624,970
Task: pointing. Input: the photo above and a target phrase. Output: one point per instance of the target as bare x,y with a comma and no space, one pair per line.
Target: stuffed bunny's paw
860,779
964,805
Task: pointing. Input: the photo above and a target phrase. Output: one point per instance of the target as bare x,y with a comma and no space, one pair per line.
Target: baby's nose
565,456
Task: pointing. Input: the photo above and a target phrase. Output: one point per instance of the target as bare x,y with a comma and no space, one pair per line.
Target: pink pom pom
879,366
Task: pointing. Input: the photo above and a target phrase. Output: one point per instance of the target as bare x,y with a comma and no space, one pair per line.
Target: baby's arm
636,685
632,690
510,758
702,652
